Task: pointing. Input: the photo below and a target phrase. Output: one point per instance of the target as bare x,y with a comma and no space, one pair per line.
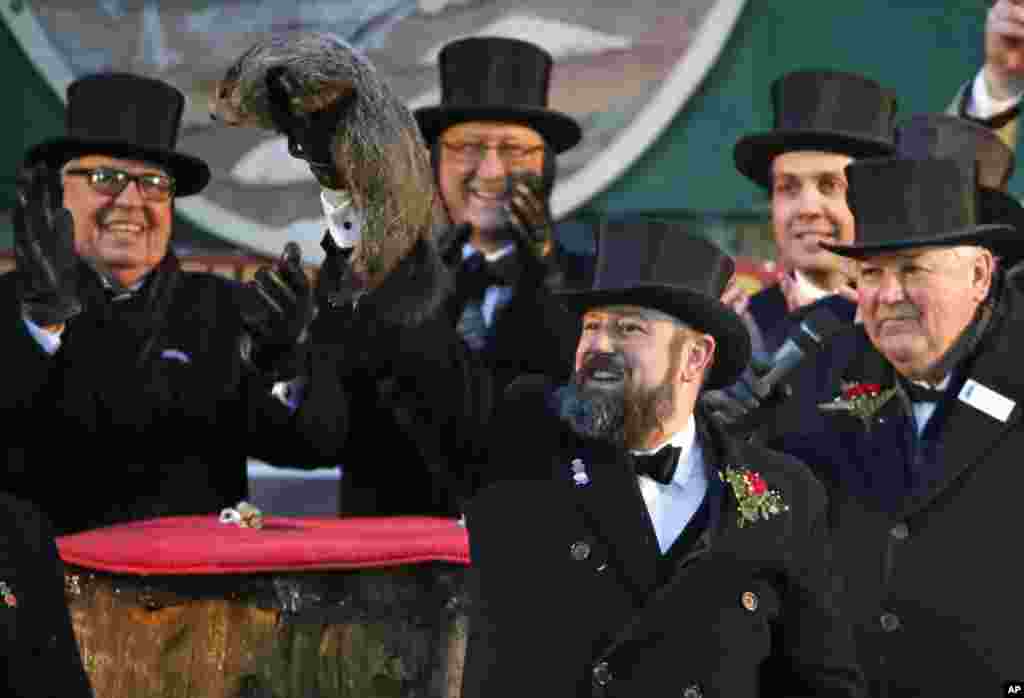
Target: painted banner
623,74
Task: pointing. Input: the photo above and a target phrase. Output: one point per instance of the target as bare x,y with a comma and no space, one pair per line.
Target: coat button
890,622
900,531
602,674
749,601
580,550
693,691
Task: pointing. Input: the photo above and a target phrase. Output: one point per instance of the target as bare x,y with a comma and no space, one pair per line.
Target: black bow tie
919,393
659,466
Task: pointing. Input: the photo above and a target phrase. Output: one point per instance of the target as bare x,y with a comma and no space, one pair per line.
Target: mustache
601,361
904,311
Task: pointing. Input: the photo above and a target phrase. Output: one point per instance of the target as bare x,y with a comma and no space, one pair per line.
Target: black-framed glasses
110,181
473,152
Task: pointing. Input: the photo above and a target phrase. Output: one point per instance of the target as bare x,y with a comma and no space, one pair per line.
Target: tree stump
399,631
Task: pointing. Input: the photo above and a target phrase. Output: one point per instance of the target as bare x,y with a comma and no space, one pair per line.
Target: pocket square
176,355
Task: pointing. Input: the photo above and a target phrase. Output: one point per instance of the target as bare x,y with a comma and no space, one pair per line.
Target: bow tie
920,393
659,466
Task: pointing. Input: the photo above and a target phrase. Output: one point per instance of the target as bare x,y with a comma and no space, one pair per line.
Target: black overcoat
403,394
570,602
39,656
95,435
925,530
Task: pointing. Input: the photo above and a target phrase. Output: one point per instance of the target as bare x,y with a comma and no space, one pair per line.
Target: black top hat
127,116
823,110
653,264
900,203
497,79
946,136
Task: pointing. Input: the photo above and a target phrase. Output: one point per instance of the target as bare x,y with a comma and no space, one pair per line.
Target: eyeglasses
473,152
111,182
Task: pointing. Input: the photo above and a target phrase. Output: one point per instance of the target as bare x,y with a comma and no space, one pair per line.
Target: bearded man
624,544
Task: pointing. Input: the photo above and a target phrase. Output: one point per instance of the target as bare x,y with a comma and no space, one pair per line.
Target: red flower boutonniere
755,500
8,596
862,400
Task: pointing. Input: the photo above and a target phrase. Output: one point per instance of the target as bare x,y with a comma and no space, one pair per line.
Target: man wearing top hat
128,395
919,136
625,545
916,430
823,121
494,145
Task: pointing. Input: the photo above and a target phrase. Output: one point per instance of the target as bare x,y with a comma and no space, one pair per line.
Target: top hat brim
698,310
753,154
190,173
559,130
1003,240
998,207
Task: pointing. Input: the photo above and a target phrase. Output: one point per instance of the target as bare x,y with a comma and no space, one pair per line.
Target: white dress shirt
923,411
983,105
672,506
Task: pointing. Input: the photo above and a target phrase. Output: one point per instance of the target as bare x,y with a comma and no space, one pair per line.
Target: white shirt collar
683,439
942,385
503,251
808,288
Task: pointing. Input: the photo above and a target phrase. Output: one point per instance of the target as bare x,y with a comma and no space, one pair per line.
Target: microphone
813,332
746,405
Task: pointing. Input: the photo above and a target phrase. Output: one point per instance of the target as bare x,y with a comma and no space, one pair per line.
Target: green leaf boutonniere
862,400
755,500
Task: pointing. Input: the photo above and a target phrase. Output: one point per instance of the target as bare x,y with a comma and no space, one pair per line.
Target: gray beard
623,418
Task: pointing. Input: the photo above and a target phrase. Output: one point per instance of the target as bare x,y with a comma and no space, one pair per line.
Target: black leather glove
44,248
310,136
738,407
530,213
277,310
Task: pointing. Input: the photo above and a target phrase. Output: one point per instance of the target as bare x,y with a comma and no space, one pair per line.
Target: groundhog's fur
379,154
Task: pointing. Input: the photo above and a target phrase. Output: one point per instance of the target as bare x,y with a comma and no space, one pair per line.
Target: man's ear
982,269
698,355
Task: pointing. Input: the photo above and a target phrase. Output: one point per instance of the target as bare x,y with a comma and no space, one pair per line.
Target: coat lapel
622,522
969,434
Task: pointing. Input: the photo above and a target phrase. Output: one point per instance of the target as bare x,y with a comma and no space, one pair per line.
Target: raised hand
277,310
1004,48
530,213
44,248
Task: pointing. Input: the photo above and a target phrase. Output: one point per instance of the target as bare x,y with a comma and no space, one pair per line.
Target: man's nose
890,289
491,166
810,202
131,195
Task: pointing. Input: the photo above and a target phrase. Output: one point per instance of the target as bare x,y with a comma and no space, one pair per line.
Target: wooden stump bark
351,634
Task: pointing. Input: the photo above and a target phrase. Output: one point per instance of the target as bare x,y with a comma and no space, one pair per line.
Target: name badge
987,400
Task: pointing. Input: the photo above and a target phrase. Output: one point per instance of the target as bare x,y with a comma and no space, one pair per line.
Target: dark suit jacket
570,602
39,655
921,525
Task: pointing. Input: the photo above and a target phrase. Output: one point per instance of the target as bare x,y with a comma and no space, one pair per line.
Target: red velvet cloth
204,545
